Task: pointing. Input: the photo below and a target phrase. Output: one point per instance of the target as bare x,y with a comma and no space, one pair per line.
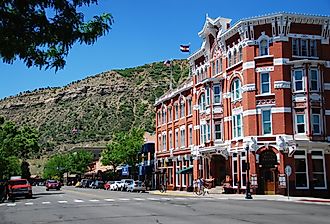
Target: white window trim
183,176
296,124
324,169
220,94
269,84
294,81
221,130
232,171
233,90
318,79
271,121
177,176
234,119
307,176
176,139
241,158
312,124
190,127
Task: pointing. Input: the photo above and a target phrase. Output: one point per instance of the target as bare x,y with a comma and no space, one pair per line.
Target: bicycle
200,191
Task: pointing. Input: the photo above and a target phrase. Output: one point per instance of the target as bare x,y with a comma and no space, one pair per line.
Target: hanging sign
282,181
254,180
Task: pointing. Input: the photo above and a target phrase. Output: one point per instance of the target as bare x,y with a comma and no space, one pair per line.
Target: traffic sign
288,170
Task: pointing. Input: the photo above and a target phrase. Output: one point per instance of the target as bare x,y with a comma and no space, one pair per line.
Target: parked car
98,184
53,184
136,185
108,184
125,183
117,185
19,187
85,183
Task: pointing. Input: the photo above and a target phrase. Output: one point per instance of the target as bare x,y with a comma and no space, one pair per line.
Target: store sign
282,181
124,171
254,180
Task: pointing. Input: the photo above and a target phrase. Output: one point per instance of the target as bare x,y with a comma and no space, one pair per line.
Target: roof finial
207,15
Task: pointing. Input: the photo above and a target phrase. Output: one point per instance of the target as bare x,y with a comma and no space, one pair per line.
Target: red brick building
262,83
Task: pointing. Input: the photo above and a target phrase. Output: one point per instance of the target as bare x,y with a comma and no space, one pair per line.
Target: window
170,139
318,170
304,47
214,68
190,135
183,137
295,47
176,111
218,131
263,46
266,122
183,176
301,169
237,126
159,118
164,116
169,111
298,80
207,90
234,169
159,142
235,57
229,59
265,84
189,106
203,133
316,121
314,78
216,94
170,178
177,176
243,169
202,104
236,90
176,138
208,131
240,53
220,65
182,109
312,48
300,123
164,142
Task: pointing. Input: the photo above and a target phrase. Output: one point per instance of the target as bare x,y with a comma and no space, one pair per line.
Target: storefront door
267,172
269,181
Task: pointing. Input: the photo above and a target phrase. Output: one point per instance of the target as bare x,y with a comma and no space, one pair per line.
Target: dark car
97,184
85,183
53,184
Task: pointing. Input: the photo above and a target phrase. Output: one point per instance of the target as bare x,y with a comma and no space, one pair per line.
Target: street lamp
248,191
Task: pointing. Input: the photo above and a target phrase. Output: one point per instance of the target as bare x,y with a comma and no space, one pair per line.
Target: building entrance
218,169
267,172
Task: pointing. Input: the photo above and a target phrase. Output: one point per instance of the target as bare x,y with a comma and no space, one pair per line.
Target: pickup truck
18,188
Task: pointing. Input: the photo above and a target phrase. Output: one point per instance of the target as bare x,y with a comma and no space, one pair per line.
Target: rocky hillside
88,111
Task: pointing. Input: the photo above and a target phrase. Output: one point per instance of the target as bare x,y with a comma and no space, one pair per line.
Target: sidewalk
307,200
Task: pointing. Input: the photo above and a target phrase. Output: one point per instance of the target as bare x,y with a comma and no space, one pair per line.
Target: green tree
42,32
123,148
78,161
56,166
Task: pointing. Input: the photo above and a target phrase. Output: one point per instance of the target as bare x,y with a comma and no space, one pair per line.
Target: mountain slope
89,111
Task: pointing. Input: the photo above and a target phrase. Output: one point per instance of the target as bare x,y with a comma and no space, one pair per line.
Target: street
84,206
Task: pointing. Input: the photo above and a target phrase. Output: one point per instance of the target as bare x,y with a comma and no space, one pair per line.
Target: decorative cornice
265,69
282,85
248,65
249,87
280,61
175,92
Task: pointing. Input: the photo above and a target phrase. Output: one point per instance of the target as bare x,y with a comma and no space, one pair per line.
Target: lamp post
248,191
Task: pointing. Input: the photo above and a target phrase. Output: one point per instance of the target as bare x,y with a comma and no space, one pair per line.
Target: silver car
136,185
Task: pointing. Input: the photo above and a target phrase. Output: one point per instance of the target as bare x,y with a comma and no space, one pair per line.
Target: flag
184,48
167,63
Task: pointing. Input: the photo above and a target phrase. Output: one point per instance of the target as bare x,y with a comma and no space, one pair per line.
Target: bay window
216,94
298,80
265,83
237,125
300,123
266,122
314,80
316,121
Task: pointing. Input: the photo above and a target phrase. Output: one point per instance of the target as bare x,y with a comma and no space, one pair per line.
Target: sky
144,31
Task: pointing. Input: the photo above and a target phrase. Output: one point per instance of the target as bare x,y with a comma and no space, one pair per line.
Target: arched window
240,53
263,46
235,57
236,92
182,109
229,59
201,102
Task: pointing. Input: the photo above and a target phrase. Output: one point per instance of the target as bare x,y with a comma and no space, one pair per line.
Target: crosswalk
105,200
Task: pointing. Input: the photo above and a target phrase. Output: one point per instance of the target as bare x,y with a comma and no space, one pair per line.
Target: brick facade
262,84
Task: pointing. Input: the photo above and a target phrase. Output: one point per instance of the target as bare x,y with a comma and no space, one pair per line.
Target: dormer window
263,46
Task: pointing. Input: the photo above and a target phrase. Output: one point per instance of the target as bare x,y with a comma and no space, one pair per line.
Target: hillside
88,111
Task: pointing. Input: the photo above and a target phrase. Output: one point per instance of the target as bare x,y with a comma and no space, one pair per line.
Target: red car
108,184
53,184
18,188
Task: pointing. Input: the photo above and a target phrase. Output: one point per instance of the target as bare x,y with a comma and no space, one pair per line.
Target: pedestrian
195,185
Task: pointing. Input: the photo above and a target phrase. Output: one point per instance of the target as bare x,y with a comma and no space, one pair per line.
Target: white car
136,185
125,183
116,185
